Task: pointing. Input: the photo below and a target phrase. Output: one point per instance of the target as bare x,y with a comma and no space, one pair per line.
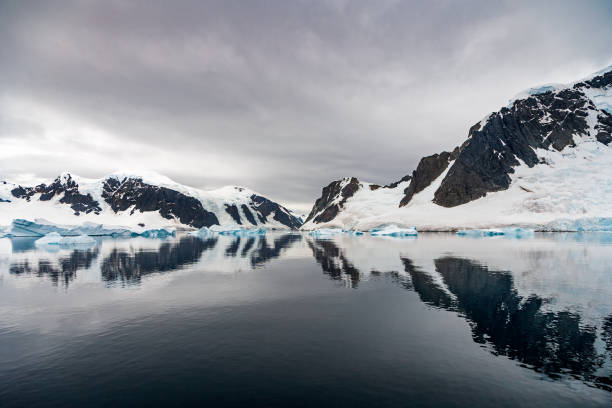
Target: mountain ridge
547,130
151,200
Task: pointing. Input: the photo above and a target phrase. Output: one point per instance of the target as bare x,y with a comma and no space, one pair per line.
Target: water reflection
127,261
61,270
526,325
333,262
128,266
552,342
556,343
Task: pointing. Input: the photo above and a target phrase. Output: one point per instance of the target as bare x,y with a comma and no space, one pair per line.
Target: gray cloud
280,96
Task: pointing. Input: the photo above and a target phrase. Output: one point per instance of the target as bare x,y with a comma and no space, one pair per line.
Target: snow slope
575,184
262,212
565,190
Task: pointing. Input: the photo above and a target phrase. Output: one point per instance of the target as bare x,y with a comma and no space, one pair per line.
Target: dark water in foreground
291,320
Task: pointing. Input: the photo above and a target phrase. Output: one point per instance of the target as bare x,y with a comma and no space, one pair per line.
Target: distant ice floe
53,238
205,231
326,231
394,231
41,228
156,233
492,232
386,230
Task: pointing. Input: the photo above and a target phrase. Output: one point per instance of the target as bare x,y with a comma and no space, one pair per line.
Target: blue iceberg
394,231
326,231
155,233
53,238
40,228
513,232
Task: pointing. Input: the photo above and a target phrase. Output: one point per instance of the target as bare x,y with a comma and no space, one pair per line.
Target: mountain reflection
264,252
333,262
130,266
525,328
127,261
556,343
63,270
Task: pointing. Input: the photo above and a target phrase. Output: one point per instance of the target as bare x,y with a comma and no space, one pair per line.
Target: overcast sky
279,96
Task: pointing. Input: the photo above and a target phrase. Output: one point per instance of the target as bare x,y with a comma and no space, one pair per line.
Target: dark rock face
248,214
233,211
396,183
324,206
71,195
428,169
264,207
143,197
546,120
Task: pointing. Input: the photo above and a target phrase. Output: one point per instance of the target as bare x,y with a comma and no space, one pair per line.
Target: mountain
542,161
141,201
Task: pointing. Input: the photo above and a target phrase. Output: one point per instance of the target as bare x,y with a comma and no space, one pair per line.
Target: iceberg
326,231
393,231
476,233
54,238
156,233
495,232
243,232
202,232
40,228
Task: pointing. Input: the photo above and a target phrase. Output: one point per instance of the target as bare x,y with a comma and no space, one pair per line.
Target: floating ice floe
243,232
39,228
206,231
156,233
353,232
54,238
393,231
493,232
326,231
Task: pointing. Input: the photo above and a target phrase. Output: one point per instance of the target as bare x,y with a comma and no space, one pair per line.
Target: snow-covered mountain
140,201
543,161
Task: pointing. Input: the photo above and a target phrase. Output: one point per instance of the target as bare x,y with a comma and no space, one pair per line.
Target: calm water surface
294,320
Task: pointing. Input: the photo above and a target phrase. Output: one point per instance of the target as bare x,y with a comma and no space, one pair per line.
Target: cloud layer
280,96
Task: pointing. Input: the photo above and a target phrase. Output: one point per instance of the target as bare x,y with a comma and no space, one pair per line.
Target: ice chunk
326,231
393,231
155,233
202,232
518,232
480,233
353,232
39,228
54,238
243,232
513,232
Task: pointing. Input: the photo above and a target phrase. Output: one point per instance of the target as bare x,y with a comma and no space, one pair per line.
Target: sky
279,96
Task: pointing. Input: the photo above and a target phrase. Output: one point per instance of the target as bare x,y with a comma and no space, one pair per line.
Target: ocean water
297,320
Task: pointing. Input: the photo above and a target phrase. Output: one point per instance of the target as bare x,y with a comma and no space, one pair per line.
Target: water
294,320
